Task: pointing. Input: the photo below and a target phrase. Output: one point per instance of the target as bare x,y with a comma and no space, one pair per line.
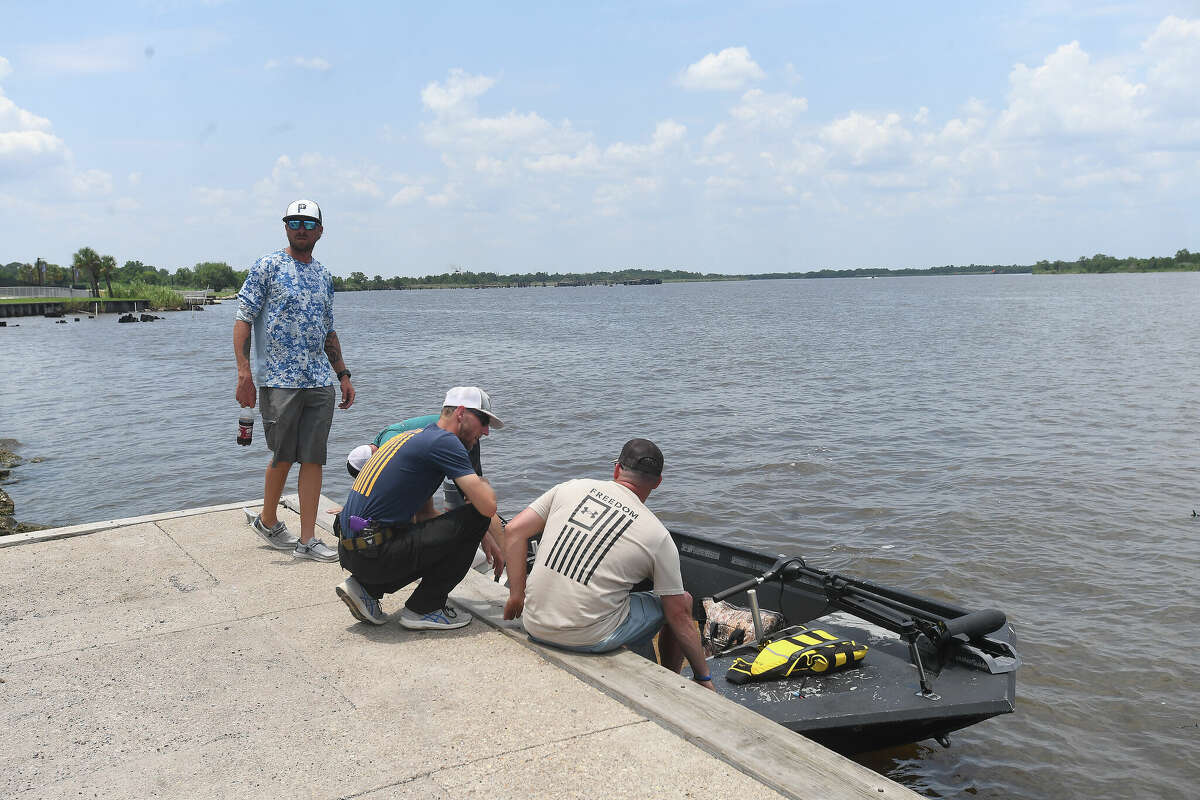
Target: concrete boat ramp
174,655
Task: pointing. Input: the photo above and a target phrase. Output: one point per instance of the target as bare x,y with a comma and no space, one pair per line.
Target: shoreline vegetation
8,460
1182,261
161,289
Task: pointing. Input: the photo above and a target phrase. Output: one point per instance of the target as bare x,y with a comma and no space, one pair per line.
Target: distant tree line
1183,260
88,268
358,281
879,272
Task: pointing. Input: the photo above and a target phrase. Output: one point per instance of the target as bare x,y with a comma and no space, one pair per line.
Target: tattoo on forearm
333,350
246,347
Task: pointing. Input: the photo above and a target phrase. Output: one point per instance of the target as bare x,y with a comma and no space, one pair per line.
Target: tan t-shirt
599,541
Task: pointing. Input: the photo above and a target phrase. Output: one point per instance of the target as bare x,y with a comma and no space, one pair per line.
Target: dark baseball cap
641,455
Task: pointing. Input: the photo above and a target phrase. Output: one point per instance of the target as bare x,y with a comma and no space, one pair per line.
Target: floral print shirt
290,306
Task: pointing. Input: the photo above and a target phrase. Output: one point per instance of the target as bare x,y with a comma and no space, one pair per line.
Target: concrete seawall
42,307
174,655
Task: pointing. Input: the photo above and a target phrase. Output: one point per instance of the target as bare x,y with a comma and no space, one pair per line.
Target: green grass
160,298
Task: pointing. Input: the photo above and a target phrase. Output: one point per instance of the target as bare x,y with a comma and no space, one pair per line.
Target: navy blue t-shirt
403,474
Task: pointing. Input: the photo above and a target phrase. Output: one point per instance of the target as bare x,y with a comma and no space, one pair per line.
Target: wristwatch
343,374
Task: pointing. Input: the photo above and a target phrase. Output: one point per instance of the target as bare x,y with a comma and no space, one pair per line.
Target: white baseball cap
473,397
358,457
303,209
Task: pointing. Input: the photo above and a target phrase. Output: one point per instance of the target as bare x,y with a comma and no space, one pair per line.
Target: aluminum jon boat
931,668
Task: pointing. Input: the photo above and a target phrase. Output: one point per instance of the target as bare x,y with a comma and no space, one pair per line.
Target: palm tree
108,265
87,261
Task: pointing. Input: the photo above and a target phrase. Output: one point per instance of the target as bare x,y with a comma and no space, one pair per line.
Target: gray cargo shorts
296,422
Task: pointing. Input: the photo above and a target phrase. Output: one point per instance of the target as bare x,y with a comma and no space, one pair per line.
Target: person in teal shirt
359,455
453,498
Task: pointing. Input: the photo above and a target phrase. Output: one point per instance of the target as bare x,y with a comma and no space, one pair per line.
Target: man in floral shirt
287,301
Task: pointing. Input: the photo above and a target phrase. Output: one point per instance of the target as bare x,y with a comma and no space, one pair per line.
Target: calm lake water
1028,443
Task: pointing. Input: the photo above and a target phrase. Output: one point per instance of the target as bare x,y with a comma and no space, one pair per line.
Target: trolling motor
941,624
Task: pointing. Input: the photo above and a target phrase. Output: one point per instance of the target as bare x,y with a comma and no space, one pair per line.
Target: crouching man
599,541
390,534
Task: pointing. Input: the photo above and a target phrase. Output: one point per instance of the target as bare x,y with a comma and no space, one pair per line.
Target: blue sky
514,137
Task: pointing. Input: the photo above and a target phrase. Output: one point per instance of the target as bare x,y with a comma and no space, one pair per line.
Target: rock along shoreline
8,520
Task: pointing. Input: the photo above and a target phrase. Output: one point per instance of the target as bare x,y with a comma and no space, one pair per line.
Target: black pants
438,552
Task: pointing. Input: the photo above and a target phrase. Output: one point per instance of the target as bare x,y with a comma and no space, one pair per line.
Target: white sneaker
278,537
446,618
314,550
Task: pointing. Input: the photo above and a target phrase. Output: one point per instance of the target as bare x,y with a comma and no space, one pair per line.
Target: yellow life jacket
810,651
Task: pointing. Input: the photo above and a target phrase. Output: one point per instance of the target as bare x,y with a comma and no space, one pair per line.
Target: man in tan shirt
599,541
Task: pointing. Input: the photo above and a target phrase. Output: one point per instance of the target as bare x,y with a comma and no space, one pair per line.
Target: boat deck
176,655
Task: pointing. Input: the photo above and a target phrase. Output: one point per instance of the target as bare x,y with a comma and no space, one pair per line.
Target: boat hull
875,705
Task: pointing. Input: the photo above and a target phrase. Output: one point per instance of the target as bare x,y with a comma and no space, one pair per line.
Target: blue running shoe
442,619
364,607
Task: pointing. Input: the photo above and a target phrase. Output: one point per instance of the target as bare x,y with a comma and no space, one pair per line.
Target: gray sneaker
446,618
364,607
278,537
315,550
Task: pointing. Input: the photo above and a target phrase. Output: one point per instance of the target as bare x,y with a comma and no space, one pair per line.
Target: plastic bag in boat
727,625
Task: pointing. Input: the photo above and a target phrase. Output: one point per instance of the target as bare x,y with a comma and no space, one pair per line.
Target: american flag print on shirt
589,533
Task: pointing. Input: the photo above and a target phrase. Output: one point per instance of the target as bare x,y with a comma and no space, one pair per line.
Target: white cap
473,397
359,456
303,209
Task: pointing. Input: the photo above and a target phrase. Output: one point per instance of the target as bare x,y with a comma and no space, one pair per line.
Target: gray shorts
296,422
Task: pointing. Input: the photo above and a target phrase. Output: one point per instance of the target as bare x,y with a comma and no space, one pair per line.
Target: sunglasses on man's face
309,225
483,418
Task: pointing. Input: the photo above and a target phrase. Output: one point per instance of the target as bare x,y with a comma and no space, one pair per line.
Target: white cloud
407,195
865,139
91,182
667,134
15,145
444,198
729,69
759,109
716,135
584,160
217,201
316,64
487,165
27,143
14,118
467,141
1069,94
1174,53
457,95
5,68
283,178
